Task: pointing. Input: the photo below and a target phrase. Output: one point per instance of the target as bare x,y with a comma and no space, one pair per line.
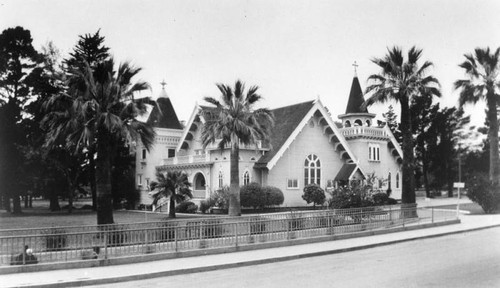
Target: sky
294,50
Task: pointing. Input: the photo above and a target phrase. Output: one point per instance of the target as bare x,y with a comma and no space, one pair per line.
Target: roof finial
355,69
163,84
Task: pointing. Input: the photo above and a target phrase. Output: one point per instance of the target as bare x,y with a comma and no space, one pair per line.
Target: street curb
101,281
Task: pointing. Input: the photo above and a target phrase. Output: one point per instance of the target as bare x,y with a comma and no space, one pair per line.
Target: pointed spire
355,98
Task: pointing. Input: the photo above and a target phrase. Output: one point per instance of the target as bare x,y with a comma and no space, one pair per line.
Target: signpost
458,185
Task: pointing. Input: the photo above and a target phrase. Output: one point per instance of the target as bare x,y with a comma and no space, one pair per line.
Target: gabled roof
347,171
355,98
286,120
163,115
289,121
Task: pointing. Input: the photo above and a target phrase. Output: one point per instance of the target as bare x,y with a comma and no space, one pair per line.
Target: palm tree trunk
493,138
408,189
171,208
234,194
426,176
93,189
103,177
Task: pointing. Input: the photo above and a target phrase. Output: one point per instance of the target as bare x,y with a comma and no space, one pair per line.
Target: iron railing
63,244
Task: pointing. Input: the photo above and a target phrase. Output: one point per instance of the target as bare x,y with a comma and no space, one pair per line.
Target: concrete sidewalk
137,271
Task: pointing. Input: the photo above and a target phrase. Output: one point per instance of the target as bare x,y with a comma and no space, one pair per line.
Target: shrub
484,193
220,198
251,195
55,239
380,198
206,204
392,201
273,196
186,207
314,194
354,195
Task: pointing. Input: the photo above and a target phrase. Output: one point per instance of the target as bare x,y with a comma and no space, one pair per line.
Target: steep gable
291,120
286,121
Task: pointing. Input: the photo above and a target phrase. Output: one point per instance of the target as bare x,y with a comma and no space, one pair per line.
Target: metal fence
64,244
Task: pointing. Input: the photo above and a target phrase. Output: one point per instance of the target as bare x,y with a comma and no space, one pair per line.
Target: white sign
458,185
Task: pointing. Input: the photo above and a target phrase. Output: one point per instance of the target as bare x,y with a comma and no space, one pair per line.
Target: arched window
368,123
347,123
312,170
199,182
358,122
221,179
246,178
397,180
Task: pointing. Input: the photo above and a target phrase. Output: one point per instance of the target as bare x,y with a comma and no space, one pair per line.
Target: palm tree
232,121
174,184
401,81
98,109
482,69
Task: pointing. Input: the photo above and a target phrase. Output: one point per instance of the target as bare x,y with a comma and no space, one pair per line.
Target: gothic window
246,178
312,170
389,180
397,180
221,179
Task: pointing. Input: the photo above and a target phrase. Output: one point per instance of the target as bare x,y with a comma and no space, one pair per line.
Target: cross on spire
163,84
355,68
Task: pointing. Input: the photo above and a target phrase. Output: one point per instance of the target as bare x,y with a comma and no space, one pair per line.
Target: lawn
40,216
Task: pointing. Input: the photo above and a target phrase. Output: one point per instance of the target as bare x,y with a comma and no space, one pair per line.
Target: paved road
464,260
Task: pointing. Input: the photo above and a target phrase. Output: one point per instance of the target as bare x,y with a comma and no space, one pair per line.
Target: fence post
106,244
175,238
24,252
236,233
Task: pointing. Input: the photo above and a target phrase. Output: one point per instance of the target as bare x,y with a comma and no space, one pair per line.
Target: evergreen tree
18,58
391,120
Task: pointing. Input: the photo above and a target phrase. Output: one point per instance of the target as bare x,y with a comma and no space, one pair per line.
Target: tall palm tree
401,80
483,72
98,109
174,184
232,121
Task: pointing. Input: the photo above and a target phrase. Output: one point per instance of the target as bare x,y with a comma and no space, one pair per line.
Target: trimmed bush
484,193
314,194
251,195
186,207
380,198
273,195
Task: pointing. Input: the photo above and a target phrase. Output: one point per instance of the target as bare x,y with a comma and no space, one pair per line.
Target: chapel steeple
355,113
163,114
